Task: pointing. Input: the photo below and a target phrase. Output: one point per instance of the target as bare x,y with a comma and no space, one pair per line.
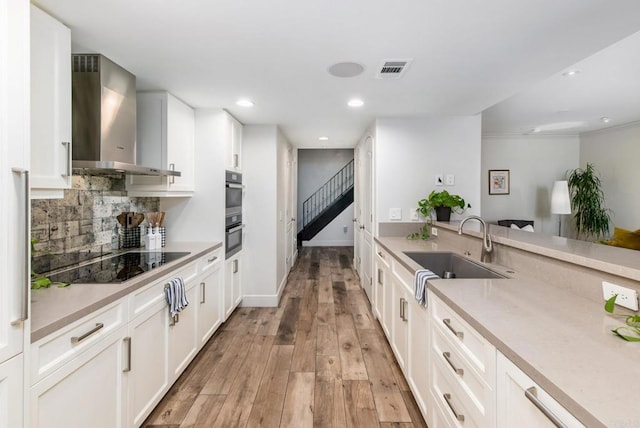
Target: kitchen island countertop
560,340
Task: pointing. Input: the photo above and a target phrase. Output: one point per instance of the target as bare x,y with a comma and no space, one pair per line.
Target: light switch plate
414,214
439,180
450,179
395,213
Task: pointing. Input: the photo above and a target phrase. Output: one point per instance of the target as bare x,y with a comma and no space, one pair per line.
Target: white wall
265,153
615,153
534,162
316,167
409,152
333,234
201,217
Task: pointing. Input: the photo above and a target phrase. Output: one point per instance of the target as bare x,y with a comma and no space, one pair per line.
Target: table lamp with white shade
560,201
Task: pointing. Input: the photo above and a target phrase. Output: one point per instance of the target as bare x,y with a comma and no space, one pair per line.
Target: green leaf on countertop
609,304
635,331
42,282
633,320
61,284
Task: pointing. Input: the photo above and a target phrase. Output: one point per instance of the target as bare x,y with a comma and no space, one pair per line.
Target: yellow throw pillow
626,238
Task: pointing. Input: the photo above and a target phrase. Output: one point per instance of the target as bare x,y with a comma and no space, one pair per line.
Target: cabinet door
234,144
209,309
89,391
522,403
400,328
419,331
11,393
180,144
237,281
232,285
183,343
389,304
50,104
148,377
378,290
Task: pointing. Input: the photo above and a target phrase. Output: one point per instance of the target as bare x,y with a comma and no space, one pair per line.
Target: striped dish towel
420,284
176,296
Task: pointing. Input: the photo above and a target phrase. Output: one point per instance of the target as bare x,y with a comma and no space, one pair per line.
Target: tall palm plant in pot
587,202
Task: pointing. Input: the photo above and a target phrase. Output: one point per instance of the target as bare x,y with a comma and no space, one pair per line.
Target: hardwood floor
318,360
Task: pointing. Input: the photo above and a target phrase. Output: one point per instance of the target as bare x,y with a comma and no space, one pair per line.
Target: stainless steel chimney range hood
104,119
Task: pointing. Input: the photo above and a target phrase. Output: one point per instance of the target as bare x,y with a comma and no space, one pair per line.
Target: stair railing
328,193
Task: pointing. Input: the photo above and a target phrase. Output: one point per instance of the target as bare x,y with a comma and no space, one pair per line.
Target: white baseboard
259,301
314,243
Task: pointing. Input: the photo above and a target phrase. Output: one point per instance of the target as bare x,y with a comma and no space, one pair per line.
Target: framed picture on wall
498,181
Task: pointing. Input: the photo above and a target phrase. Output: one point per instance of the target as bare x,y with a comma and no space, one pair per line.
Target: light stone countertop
53,308
562,341
617,261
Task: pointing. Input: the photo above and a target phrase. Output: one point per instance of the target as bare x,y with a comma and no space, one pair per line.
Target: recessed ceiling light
605,119
356,102
346,69
571,73
323,138
245,102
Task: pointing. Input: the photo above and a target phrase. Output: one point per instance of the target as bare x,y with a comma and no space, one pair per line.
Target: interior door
290,214
357,212
367,218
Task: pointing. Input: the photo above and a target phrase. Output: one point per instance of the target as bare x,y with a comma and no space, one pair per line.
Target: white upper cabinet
50,106
165,140
233,144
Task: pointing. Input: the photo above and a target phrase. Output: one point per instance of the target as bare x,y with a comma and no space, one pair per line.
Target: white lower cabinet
232,284
209,307
419,355
522,403
88,391
148,375
183,343
400,324
11,392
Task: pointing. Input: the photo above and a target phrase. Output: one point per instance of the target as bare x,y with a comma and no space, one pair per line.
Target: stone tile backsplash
84,219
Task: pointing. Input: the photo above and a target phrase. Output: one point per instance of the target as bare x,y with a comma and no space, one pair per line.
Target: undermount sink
441,262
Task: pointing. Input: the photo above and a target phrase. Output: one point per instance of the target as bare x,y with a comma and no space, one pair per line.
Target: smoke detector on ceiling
393,68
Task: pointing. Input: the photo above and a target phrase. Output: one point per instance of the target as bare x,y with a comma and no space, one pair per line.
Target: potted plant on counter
442,203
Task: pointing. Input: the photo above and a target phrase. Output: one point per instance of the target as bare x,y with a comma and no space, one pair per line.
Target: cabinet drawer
475,348
53,351
149,295
456,408
476,390
211,260
383,256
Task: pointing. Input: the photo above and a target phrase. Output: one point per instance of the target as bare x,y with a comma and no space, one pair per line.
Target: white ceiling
467,54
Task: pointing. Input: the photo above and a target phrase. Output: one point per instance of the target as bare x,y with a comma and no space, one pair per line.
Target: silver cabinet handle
212,259
67,145
203,288
235,266
405,318
127,341
172,167
458,416
173,320
532,395
25,285
447,357
236,160
401,309
447,322
380,277
77,339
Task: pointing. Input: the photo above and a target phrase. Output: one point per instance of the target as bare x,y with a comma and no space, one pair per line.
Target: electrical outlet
434,231
395,213
439,180
450,179
627,297
414,214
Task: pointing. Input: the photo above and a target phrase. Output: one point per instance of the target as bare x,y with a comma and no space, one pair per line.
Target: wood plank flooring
318,360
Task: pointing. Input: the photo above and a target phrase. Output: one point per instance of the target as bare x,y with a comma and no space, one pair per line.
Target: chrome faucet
487,245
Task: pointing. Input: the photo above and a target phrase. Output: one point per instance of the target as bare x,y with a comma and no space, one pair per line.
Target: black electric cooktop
118,268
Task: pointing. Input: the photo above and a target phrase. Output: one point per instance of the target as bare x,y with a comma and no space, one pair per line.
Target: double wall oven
233,213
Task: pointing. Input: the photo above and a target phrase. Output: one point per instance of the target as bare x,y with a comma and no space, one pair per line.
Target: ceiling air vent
393,69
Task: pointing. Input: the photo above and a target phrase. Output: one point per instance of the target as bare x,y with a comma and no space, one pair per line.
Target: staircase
327,203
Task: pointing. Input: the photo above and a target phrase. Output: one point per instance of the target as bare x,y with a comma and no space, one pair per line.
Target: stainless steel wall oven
233,213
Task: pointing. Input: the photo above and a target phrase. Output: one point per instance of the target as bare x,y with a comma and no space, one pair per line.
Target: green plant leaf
610,303
60,284
42,282
626,337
